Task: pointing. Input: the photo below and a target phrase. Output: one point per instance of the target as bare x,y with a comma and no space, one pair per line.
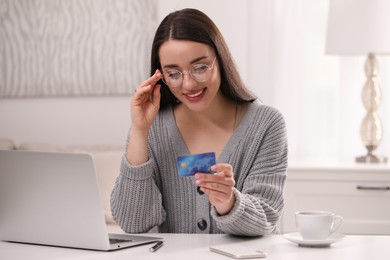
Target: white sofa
106,158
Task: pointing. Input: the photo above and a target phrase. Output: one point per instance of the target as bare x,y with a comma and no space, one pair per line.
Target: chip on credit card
188,165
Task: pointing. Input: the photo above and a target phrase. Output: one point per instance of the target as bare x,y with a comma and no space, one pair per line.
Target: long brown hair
193,25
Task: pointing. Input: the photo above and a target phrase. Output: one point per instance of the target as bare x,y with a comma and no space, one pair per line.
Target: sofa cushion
107,165
7,144
106,161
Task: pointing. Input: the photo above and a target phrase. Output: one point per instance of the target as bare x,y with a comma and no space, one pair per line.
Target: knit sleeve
259,202
136,202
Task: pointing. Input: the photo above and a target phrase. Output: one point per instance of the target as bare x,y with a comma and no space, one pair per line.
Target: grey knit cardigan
152,194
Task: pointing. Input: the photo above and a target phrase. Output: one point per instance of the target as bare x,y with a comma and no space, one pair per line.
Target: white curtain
319,95
279,47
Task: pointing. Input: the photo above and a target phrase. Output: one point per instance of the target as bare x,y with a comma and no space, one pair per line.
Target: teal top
152,194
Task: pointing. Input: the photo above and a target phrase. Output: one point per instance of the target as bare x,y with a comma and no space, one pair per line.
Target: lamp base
370,158
371,127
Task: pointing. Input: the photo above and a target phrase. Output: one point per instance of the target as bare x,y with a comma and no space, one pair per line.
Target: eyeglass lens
198,72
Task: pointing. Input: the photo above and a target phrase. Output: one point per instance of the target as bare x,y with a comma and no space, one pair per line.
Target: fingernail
197,176
213,168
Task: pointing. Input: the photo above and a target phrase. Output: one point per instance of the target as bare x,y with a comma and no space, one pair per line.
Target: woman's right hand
145,103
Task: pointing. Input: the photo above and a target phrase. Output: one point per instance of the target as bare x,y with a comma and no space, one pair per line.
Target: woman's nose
188,82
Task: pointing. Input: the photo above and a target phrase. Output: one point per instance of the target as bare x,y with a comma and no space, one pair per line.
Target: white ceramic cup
317,225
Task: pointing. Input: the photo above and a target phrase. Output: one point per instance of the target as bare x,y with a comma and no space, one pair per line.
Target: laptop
53,199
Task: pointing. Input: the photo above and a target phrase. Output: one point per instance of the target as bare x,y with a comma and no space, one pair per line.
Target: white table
196,247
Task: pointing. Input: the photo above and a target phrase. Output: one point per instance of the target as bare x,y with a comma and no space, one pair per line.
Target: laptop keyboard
118,241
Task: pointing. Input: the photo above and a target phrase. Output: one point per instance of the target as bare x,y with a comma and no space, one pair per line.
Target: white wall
66,121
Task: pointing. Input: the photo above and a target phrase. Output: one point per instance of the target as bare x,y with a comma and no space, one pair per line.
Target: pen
156,246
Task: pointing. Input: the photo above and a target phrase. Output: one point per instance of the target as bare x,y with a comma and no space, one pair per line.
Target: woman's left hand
219,187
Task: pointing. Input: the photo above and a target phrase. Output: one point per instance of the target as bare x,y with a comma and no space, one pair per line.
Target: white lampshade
358,27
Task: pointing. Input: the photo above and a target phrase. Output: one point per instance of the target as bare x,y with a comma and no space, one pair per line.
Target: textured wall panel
74,47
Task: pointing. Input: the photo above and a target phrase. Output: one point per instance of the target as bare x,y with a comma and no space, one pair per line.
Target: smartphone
238,252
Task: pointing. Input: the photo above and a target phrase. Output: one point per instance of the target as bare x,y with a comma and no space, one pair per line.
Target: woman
195,102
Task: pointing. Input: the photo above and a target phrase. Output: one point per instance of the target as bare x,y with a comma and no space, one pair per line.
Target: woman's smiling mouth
193,97
196,94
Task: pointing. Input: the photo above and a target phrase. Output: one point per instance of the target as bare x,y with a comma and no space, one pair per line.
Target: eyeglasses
198,72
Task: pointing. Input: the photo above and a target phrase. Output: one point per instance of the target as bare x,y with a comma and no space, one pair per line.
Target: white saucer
296,238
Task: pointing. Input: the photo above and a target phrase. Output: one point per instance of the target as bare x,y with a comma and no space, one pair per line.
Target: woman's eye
200,68
174,74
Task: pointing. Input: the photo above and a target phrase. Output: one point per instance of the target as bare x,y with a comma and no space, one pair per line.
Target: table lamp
362,27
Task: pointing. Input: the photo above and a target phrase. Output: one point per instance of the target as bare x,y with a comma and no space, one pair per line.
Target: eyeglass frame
189,73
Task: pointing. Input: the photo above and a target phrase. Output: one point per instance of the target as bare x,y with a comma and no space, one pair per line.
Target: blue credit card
188,165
